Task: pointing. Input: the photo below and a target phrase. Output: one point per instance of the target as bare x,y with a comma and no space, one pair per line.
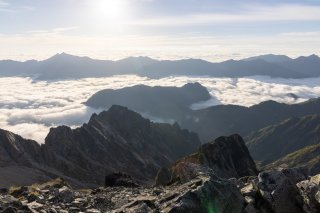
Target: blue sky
112,29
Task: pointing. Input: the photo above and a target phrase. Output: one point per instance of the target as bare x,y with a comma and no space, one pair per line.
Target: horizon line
158,58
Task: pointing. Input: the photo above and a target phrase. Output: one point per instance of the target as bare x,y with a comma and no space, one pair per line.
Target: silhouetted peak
119,116
313,56
310,57
195,87
136,58
55,134
271,58
268,103
64,57
138,61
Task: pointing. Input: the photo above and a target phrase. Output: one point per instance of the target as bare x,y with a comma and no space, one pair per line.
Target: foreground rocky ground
283,191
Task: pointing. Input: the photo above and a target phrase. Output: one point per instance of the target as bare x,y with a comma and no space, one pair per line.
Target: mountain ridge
117,140
64,67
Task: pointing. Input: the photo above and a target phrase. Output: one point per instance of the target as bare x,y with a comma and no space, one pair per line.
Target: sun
112,10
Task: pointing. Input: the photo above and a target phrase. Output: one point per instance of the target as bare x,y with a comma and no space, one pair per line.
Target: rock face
166,103
118,140
279,190
228,157
271,192
310,190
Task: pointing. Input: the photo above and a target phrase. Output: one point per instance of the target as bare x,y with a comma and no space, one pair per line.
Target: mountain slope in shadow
117,140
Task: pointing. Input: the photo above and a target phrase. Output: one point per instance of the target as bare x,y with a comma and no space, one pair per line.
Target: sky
213,30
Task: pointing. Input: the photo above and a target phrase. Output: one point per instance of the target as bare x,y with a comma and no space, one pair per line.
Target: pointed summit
64,57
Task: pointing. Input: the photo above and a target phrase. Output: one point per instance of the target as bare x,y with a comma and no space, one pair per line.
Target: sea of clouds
29,108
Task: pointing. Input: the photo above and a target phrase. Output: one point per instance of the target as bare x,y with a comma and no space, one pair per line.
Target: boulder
310,191
280,192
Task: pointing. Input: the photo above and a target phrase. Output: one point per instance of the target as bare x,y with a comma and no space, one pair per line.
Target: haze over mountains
65,66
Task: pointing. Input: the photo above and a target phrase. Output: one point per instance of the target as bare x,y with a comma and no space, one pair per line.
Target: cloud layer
30,108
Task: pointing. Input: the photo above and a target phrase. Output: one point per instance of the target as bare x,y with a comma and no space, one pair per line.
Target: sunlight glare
111,10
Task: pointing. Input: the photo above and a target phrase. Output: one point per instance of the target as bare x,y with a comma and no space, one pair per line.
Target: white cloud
30,108
5,6
257,13
45,43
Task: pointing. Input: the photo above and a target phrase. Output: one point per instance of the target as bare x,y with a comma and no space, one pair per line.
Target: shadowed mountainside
117,140
228,119
165,103
308,157
173,104
276,141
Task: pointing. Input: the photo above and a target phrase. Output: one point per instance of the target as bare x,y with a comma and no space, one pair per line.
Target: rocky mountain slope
279,191
117,140
64,66
165,103
20,156
276,141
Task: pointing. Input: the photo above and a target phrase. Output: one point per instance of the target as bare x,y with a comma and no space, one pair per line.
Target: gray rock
9,201
66,194
280,192
310,191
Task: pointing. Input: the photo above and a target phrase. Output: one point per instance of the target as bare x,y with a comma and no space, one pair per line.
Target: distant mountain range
65,66
272,130
173,104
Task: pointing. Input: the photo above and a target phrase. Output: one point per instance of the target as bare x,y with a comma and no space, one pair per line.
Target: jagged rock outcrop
227,156
117,140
